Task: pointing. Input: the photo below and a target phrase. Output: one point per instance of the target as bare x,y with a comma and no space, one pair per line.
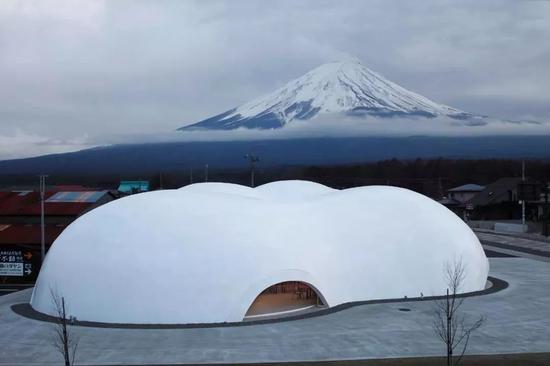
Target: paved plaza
517,321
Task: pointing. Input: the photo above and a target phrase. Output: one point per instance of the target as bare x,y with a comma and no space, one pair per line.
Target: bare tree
449,324
63,340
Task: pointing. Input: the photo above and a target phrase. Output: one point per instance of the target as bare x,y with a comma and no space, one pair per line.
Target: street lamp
545,216
42,223
253,159
523,200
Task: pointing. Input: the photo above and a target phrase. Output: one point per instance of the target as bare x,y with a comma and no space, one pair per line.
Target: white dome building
204,253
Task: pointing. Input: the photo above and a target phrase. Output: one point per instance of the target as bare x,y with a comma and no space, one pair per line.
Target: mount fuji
348,88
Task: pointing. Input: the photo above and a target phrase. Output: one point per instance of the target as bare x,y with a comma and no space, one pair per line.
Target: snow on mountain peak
337,87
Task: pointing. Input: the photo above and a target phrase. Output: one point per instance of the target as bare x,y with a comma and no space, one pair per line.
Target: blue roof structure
85,196
133,186
467,188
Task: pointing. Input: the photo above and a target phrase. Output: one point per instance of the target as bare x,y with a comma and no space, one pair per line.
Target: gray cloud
347,126
88,72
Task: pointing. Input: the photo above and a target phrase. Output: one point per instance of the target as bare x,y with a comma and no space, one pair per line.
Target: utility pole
545,218
206,173
523,198
253,159
42,223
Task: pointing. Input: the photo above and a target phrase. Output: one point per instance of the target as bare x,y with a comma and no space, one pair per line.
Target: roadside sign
16,262
11,269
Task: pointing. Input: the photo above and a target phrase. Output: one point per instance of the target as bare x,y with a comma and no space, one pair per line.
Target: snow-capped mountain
340,87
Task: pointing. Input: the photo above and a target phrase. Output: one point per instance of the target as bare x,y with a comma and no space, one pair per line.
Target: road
518,244
6,289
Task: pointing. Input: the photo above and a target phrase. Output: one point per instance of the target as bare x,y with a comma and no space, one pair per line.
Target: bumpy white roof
203,253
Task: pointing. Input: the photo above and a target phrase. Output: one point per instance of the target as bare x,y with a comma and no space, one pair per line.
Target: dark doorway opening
284,297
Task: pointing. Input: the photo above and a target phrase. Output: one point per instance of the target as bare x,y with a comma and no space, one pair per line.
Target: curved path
518,320
25,310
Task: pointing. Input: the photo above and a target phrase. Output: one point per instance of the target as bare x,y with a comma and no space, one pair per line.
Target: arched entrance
284,298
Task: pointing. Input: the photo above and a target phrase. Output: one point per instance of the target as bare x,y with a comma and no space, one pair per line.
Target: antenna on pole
253,159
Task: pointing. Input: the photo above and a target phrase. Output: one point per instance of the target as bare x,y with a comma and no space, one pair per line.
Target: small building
464,193
20,250
133,186
542,209
61,207
498,201
458,198
20,225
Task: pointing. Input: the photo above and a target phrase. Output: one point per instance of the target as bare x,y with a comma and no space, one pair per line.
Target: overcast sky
77,73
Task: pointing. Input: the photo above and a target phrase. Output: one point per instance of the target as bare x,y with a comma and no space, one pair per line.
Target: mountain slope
340,87
138,160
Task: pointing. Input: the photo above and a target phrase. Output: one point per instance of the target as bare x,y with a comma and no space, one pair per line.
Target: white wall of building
204,252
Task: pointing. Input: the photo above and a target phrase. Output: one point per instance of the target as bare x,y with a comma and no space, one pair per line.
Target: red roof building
20,225
28,234
59,206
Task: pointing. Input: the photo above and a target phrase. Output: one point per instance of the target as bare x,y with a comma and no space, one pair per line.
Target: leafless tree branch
449,325
63,339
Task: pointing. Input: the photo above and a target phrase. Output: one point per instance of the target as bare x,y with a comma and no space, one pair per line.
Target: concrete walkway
512,242
518,320
531,236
